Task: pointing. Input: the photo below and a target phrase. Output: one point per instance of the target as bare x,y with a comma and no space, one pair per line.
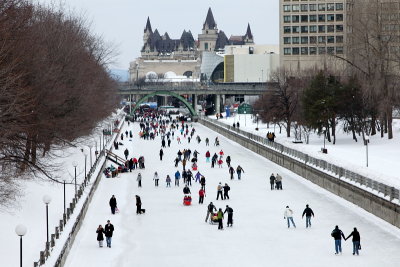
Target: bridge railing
349,176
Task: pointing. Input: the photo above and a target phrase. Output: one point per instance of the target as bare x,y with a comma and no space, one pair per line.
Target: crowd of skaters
160,127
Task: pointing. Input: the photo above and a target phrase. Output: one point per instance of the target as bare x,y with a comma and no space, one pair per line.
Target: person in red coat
208,156
202,193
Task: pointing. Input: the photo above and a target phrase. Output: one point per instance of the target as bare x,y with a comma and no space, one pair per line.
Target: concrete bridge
142,93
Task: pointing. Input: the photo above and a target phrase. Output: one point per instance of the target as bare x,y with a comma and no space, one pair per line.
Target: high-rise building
311,31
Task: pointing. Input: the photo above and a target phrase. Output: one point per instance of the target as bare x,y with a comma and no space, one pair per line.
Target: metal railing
337,171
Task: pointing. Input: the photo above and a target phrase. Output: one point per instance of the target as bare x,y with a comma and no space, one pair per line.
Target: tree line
54,87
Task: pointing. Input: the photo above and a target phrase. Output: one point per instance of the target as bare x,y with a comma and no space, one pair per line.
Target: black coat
108,230
308,212
113,202
226,188
100,233
186,190
355,235
211,208
337,234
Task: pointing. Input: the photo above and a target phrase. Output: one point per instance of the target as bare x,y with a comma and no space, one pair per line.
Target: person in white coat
156,178
288,215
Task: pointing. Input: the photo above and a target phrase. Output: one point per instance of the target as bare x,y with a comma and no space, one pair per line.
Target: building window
304,29
339,50
304,50
330,17
295,8
287,51
330,7
321,50
287,29
313,39
286,19
321,7
295,29
330,39
313,7
286,8
295,19
321,28
313,18
339,6
321,18
313,50
313,28
304,40
295,40
286,40
339,39
295,51
304,18
339,17
331,50
304,7
331,28
321,39
339,28
206,46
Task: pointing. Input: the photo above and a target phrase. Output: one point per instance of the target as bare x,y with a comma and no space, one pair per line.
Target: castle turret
209,35
147,31
248,37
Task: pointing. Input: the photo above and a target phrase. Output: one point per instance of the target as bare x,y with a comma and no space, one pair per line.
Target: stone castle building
162,55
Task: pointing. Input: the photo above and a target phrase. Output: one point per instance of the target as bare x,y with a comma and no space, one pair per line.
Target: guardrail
66,217
338,172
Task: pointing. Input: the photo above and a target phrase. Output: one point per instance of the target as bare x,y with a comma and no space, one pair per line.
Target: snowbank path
170,234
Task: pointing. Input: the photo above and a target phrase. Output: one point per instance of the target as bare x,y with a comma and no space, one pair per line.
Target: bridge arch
182,99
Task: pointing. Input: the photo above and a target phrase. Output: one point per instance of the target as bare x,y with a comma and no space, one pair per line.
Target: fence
338,172
66,217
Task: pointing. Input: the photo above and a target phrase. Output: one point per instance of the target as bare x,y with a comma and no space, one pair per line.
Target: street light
85,153
90,153
245,124
324,130
257,120
366,146
64,198
75,164
20,230
47,200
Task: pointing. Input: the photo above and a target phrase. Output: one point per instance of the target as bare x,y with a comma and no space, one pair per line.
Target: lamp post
245,124
90,155
366,146
47,200
64,199
262,75
75,164
85,153
324,130
20,230
257,120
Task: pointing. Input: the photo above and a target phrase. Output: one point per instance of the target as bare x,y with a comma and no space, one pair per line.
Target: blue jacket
177,175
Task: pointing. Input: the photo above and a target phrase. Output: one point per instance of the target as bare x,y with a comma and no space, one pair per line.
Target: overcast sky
121,22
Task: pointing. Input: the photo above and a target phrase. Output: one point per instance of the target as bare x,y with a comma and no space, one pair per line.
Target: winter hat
287,207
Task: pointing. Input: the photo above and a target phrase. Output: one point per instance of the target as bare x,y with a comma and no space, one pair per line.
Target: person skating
207,141
139,209
161,154
219,191
184,164
272,181
216,142
229,210
163,143
177,177
139,179
202,193
186,190
278,181
239,171
156,178
189,178
168,181
210,210
337,235
231,172
208,156
108,232
308,212
126,153
176,162
356,241
203,182
113,204
288,215
169,142
100,237
226,191
130,164
228,161
197,176
220,216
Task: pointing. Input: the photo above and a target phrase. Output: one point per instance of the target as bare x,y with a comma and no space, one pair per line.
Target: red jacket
208,154
202,193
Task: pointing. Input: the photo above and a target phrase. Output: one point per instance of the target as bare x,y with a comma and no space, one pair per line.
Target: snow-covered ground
383,154
31,211
170,234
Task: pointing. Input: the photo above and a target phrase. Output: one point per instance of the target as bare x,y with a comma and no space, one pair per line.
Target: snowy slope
170,234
